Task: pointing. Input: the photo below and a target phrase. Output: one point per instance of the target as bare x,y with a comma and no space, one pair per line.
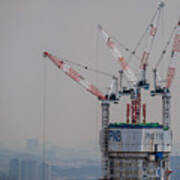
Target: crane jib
176,45
66,68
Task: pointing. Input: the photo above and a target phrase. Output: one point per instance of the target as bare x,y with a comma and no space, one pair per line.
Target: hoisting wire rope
142,37
120,44
87,68
97,104
165,49
44,119
158,22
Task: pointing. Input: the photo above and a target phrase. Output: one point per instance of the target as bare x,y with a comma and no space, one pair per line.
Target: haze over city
34,91
68,29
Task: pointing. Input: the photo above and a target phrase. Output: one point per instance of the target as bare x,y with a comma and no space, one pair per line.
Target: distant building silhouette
32,145
44,171
51,154
29,170
4,177
14,170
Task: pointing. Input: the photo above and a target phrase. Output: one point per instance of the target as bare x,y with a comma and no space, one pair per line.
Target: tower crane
130,76
164,91
105,101
146,54
119,57
140,142
135,84
69,71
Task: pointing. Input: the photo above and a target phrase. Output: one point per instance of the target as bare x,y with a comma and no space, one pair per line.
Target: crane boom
75,76
173,59
152,33
118,56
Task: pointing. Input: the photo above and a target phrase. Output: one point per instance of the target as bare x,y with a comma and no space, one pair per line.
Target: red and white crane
130,75
152,30
119,57
69,71
135,83
105,100
173,59
142,82
165,90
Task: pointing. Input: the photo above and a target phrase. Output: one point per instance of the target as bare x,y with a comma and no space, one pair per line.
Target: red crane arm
173,59
75,76
118,56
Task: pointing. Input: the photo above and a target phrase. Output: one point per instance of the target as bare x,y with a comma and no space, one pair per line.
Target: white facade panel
139,140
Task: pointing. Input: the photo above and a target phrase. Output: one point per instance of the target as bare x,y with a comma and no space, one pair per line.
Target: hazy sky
67,28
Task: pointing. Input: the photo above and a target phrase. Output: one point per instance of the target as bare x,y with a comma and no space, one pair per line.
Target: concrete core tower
134,151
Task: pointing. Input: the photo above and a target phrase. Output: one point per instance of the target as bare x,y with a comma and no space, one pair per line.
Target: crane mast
105,105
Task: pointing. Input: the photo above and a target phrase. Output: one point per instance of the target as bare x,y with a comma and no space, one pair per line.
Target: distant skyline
75,166
68,28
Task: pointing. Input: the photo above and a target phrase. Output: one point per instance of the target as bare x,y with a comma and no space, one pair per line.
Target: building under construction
135,149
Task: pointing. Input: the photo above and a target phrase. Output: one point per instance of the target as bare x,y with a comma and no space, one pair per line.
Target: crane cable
158,22
97,104
142,37
165,49
126,48
44,96
87,68
133,52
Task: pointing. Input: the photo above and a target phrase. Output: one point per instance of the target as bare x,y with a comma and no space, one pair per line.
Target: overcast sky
67,28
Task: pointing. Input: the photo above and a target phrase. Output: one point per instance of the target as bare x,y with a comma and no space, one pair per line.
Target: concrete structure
137,151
